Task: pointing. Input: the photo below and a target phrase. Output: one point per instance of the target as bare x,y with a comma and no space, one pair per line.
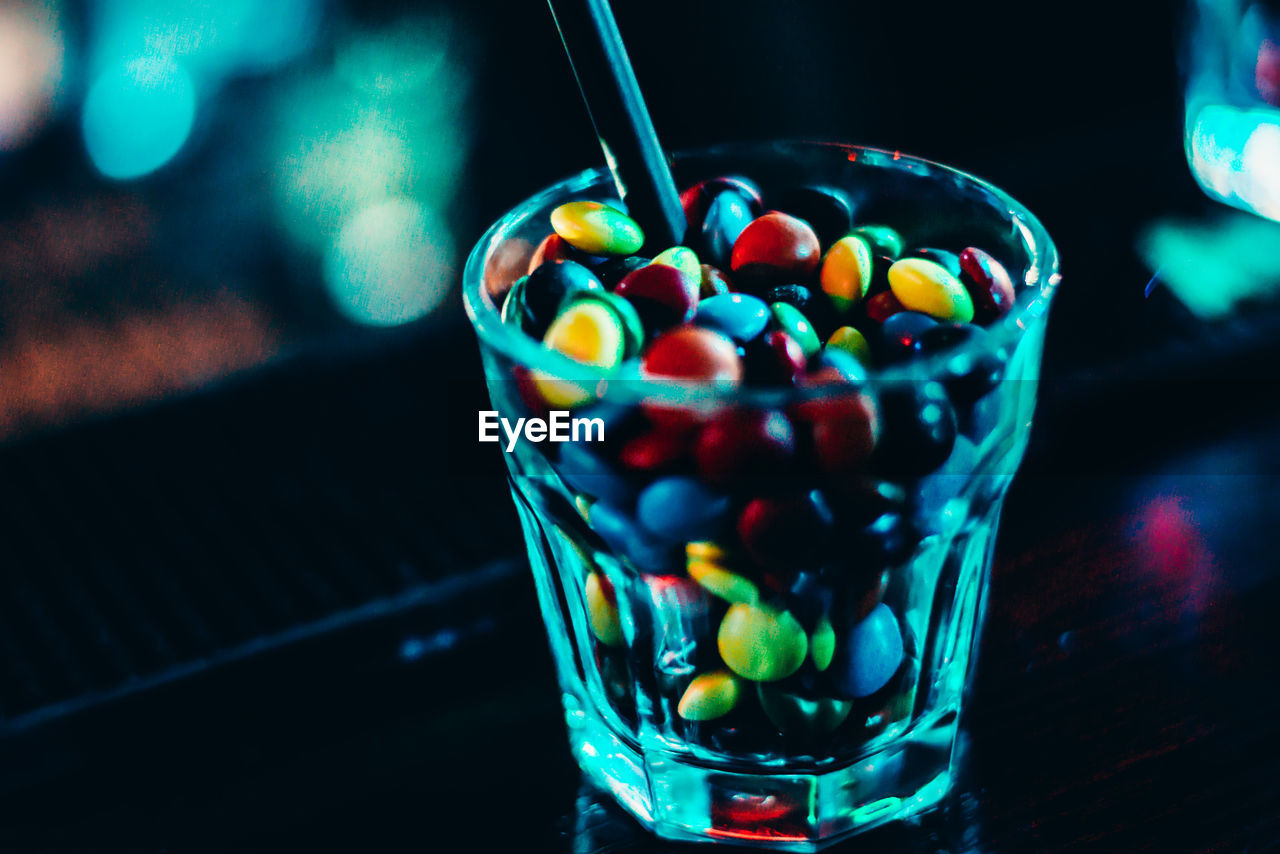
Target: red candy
845,430
659,449
663,296
553,248
693,353
745,443
786,534
988,284
882,306
776,248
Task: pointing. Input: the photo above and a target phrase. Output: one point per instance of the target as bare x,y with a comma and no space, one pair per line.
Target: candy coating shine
927,287
596,228
761,643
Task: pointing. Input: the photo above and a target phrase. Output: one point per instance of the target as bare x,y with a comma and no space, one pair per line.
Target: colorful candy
713,282
882,306
721,582
926,287
768,536
602,610
545,290
987,282
787,533
628,317
846,271
589,332
692,353
791,322
596,228
696,201
845,431
851,341
740,316
868,655
883,239
681,509
775,249
709,696
741,445
918,429
775,359
822,644
761,643
726,218
662,295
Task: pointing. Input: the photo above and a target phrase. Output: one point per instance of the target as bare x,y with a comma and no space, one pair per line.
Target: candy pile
764,545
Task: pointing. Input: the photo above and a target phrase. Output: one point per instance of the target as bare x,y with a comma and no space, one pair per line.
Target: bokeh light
370,150
31,65
137,117
389,264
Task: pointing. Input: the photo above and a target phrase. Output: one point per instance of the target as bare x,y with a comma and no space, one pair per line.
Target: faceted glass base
682,800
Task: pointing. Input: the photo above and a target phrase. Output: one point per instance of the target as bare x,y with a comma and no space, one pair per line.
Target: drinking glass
795,764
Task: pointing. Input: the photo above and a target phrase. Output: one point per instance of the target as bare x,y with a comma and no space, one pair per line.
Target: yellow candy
822,644
597,229
924,286
846,271
710,696
851,341
761,643
683,259
723,583
705,550
602,614
588,332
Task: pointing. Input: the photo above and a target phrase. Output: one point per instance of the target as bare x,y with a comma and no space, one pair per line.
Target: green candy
710,696
851,341
597,229
792,321
801,716
628,319
822,645
761,643
513,305
721,582
602,615
683,259
883,239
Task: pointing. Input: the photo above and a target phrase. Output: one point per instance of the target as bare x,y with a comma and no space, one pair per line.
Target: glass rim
1041,279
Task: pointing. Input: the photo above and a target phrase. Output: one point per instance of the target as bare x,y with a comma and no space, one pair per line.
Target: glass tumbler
785,663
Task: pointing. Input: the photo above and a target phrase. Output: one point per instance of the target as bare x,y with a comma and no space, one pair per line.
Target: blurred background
246,602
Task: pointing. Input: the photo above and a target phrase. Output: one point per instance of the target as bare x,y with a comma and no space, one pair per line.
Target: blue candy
727,216
740,316
627,540
844,364
868,655
945,484
681,509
